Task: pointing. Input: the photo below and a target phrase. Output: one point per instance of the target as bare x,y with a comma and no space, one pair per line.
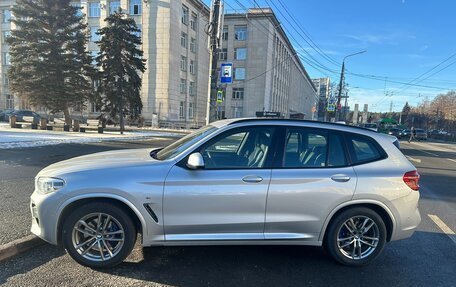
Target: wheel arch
121,202
380,208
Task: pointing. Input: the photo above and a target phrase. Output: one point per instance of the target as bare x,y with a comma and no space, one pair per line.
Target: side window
230,144
363,149
336,153
239,148
305,148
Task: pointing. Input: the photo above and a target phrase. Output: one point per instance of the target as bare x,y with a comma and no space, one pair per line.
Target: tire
116,237
342,228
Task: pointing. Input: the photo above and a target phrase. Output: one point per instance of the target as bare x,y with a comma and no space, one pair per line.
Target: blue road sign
226,76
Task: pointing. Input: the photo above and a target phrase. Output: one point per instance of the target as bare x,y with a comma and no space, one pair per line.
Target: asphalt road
426,259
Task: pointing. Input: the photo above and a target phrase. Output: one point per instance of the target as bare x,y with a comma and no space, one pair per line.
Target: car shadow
401,264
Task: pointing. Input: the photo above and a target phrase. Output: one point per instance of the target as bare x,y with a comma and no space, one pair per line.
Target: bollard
12,121
100,130
43,123
76,127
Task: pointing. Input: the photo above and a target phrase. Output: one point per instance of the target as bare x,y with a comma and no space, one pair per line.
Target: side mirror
195,161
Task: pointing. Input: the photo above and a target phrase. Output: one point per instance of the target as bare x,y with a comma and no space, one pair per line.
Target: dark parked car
394,132
404,134
26,116
4,115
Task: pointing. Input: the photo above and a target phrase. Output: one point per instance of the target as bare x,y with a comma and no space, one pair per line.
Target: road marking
443,227
451,159
431,153
413,159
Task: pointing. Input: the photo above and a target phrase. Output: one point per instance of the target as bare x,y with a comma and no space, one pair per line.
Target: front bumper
44,210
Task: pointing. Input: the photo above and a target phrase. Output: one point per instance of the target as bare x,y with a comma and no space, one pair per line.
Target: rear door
309,180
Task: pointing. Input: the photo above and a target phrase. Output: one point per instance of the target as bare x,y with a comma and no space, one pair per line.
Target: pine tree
121,63
49,63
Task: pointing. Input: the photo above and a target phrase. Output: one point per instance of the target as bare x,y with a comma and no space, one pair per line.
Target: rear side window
305,148
363,149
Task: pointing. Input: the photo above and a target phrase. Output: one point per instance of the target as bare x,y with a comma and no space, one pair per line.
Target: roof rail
297,120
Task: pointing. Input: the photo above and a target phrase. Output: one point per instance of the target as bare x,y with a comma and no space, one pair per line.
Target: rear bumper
407,215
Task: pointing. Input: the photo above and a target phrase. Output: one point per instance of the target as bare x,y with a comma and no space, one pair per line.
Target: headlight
45,185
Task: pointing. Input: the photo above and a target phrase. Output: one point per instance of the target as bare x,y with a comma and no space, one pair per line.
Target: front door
225,200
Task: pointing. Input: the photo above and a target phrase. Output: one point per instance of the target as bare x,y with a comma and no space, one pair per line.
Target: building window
184,39
5,36
240,53
9,102
191,88
5,80
6,59
238,93
79,7
94,9
94,37
240,33
6,15
182,110
135,7
237,112
114,7
192,67
191,110
194,21
183,86
193,45
225,33
239,73
94,55
183,63
223,54
139,32
184,18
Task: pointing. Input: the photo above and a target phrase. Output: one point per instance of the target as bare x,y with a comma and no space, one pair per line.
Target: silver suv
243,181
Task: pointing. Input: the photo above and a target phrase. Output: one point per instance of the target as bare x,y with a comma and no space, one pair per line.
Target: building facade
175,84
323,93
267,74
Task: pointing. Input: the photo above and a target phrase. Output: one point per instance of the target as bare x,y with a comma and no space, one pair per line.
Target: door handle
340,177
252,179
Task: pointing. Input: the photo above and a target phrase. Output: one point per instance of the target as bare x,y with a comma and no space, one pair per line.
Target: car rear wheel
356,236
98,235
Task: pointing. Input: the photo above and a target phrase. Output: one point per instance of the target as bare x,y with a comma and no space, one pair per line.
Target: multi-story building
6,99
268,74
323,92
175,84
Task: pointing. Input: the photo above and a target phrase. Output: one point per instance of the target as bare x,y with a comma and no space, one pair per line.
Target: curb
19,246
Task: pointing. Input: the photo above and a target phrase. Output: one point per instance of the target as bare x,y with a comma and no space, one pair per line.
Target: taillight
411,179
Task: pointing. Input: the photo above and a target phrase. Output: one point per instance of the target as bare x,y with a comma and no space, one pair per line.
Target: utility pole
339,93
213,31
391,106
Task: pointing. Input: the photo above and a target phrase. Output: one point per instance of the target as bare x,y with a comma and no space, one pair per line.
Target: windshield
179,146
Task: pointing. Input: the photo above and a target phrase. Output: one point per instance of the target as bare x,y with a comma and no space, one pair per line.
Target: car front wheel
98,235
356,236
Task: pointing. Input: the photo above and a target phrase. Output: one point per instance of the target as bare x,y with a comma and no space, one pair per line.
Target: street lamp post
339,93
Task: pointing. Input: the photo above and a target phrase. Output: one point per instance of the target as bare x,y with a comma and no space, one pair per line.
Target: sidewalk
24,138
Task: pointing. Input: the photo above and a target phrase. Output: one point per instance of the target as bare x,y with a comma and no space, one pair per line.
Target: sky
403,40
